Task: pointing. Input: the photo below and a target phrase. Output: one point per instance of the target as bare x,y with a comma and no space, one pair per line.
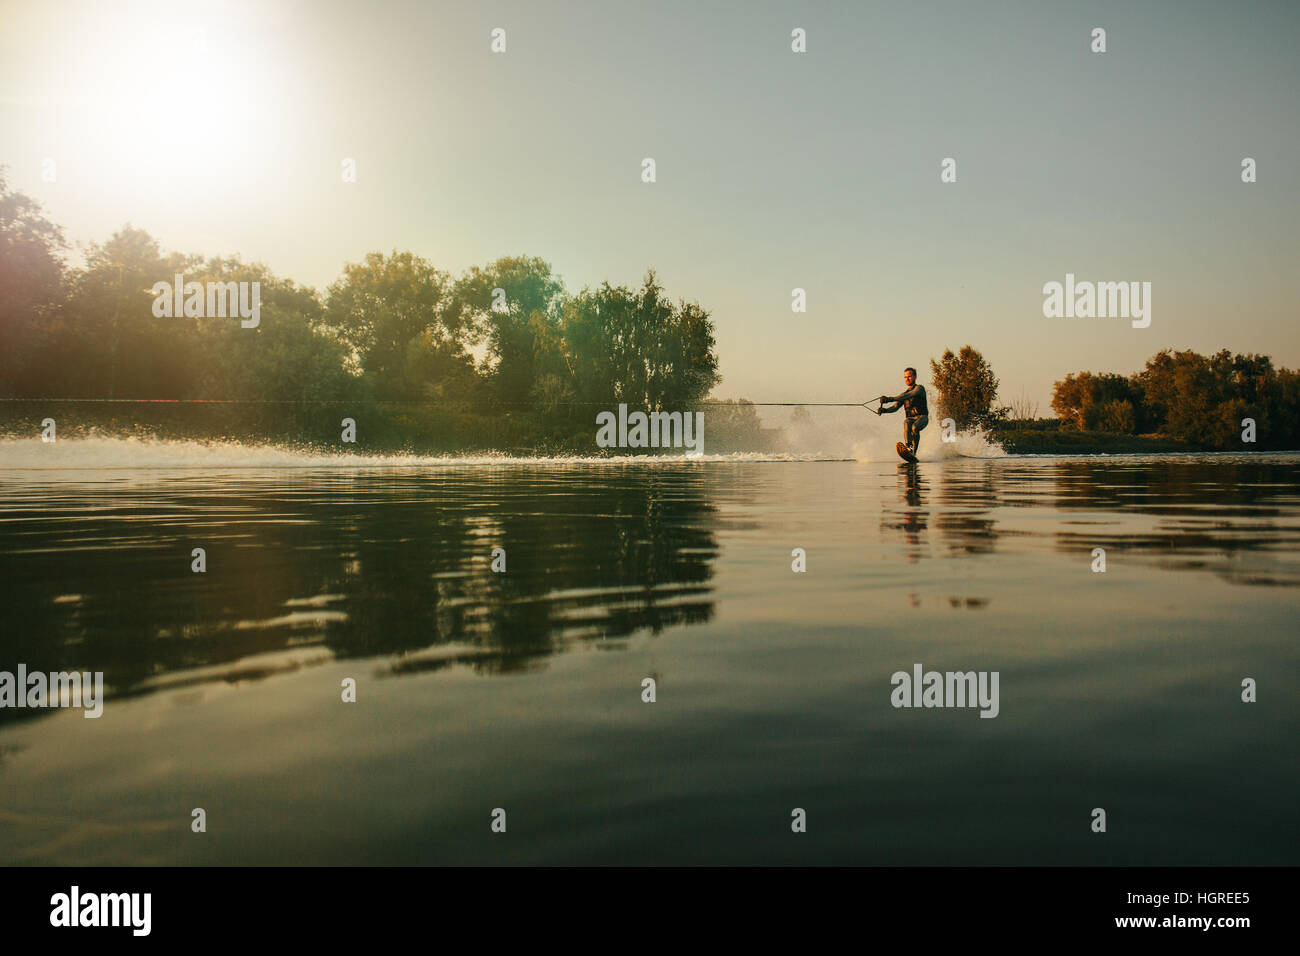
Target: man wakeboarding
916,415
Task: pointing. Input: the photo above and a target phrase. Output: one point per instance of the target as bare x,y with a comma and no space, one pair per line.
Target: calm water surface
522,690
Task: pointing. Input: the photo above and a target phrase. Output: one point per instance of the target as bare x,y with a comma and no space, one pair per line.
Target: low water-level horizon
522,688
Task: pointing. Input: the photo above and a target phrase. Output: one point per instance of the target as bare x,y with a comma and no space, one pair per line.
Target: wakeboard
904,454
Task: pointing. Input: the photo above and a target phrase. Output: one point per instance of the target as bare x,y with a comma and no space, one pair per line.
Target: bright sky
220,128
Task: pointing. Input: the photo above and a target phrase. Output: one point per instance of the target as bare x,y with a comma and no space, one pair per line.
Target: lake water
522,690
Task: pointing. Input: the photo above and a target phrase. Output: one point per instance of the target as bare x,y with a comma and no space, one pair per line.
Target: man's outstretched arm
912,392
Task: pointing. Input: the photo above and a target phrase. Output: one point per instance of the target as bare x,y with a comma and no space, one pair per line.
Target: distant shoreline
1047,437
451,432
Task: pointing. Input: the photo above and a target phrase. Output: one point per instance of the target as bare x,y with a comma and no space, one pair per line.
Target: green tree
110,342
1198,399
1116,416
31,290
289,356
1093,402
519,323
636,347
689,369
966,387
1203,399
389,313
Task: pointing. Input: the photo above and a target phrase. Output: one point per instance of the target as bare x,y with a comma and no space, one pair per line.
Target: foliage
966,388
31,284
521,332
1094,402
638,348
390,314
502,343
1197,399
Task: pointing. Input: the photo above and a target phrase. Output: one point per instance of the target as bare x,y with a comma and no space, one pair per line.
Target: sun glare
171,92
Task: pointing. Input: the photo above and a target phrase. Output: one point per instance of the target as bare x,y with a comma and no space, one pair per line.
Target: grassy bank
1046,436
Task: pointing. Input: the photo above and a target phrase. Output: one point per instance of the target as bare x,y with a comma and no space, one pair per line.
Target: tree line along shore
500,357
1179,401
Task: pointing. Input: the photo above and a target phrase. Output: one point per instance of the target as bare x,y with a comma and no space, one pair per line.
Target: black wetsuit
916,411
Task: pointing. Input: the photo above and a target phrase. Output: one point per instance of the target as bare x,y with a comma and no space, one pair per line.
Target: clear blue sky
775,170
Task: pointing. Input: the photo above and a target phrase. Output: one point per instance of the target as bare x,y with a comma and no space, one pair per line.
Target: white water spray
859,434
105,453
